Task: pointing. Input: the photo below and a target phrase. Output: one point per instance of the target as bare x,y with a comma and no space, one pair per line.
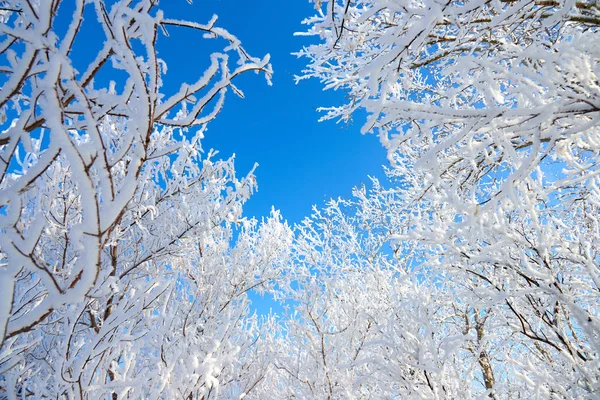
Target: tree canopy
471,271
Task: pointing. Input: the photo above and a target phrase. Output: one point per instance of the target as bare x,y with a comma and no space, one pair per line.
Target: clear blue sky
301,161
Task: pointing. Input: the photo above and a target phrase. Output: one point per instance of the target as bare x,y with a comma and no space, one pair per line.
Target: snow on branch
109,216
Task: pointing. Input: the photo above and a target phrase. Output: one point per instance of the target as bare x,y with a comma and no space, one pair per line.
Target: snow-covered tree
371,317
124,261
363,323
490,111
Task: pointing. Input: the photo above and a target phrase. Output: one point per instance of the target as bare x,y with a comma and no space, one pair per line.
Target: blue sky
301,161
